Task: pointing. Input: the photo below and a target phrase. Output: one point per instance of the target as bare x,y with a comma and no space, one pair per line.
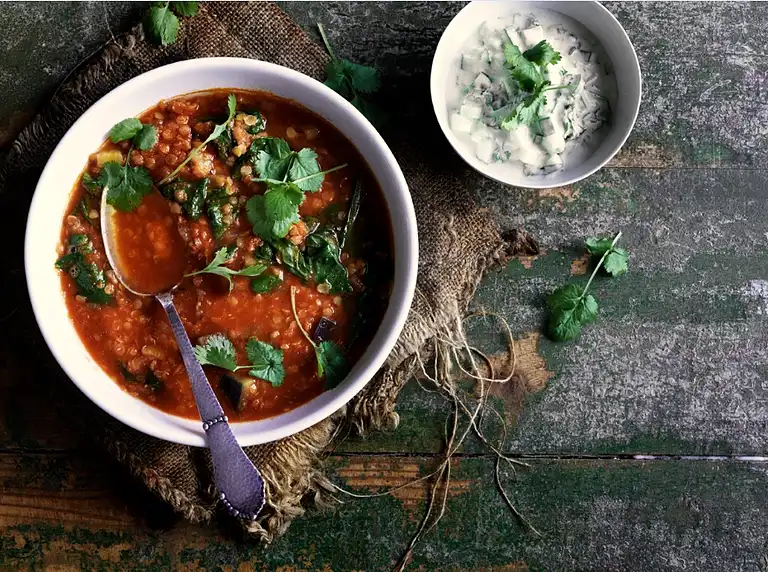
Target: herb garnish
89,278
161,24
353,82
125,185
221,257
142,136
217,131
570,306
527,70
91,186
331,363
266,360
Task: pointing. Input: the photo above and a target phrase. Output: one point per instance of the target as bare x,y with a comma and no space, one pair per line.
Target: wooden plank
593,514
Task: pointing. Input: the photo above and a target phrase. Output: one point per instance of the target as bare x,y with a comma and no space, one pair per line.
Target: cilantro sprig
570,307
527,71
124,184
161,25
331,363
266,361
221,257
217,131
354,82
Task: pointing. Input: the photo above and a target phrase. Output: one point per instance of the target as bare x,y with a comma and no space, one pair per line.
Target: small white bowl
70,157
595,18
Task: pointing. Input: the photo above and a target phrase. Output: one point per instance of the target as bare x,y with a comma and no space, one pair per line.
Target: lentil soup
276,229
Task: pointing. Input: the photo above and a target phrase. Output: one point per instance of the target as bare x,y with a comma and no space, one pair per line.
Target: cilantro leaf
272,157
542,54
616,258
217,132
161,25
331,363
266,362
305,169
124,130
598,246
273,213
221,257
281,207
527,112
353,82
217,350
146,138
125,185
570,309
265,283
89,278
185,8
522,70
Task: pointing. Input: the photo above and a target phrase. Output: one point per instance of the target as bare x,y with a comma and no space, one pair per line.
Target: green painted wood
595,515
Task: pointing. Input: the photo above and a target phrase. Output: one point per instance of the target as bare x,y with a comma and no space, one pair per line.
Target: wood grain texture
677,363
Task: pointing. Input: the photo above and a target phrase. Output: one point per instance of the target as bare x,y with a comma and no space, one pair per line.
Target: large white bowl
70,157
608,32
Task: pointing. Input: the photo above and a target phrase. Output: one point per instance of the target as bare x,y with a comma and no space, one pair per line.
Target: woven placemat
458,242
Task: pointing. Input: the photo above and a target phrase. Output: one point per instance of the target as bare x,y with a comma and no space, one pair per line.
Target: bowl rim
405,249
530,182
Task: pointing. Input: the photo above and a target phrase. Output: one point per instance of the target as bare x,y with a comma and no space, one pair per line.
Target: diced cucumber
480,131
460,124
513,36
482,82
546,126
471,110
484,150
553,143
532,36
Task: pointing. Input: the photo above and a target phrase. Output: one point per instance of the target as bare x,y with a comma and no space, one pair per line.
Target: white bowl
70,157
608,32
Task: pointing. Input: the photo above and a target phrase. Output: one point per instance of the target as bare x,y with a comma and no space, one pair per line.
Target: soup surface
272,226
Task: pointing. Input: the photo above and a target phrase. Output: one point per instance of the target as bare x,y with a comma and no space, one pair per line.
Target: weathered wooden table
637,441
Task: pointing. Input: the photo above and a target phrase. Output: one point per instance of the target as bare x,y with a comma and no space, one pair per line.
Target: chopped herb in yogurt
533,91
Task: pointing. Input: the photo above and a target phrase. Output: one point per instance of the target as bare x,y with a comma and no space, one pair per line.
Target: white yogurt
573,120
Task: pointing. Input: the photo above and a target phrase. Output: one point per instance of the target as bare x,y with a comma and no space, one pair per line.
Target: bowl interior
51,200
601,23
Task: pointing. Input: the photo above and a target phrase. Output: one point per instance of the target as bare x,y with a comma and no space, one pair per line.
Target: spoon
240,485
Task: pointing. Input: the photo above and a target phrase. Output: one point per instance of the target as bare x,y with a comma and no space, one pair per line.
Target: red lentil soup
254,205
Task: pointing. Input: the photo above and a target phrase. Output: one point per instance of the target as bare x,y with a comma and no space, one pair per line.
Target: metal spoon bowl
238,481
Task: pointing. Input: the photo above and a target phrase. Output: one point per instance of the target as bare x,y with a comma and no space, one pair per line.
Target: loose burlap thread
458,243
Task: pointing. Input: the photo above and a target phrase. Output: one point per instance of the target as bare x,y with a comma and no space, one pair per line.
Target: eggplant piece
323,330
234,388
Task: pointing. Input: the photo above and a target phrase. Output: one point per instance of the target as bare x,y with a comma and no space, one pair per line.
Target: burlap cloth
457,244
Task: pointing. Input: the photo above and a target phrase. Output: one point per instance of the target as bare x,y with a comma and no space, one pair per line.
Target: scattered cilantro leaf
124,130
185,8
217,350
89,278
161,25
571,307
146,138
527,112
273,213
125,185
331,362
353,82
542,54
266,362
217,132
221,257
305,169
265,283
616,261
524,71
